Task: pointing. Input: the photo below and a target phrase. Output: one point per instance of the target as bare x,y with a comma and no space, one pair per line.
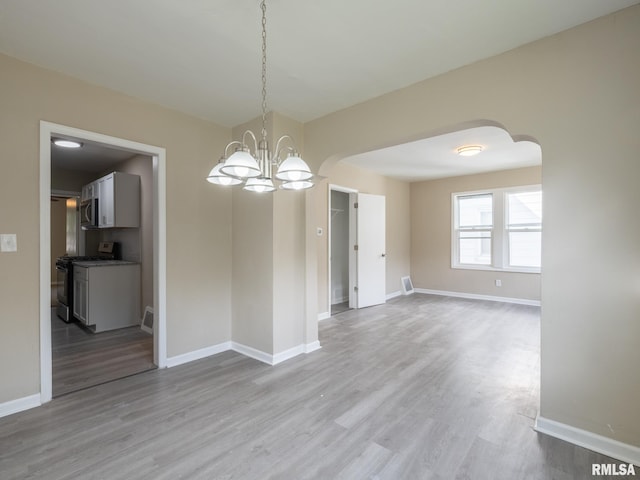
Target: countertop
103,263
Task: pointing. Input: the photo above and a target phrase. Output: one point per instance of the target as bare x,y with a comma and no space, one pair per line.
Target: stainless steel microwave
89,213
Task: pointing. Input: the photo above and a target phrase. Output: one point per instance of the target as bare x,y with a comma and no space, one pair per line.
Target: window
475,225
499,229
524,228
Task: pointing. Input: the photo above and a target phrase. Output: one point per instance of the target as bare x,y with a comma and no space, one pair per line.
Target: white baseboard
287,354
19,405
474,296
243,350
324,316
607,446
393,295
312,347
278,357
198,354
252,353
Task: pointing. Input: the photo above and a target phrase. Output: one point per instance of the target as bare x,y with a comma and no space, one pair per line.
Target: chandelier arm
255,141
234,142
277,150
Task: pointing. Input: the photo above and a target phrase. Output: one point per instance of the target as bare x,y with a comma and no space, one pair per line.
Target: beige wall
252,323
268,257
288,252
198,216
397,223
577,94
431,237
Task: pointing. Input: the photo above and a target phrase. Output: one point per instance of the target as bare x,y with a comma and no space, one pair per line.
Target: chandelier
254,168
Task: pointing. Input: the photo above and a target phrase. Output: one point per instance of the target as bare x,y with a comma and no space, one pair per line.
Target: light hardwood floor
337,308
424,387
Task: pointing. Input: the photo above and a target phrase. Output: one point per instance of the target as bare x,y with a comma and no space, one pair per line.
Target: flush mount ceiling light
470,150
254,167
62,142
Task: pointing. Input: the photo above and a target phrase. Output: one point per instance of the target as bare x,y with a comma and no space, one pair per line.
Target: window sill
488,268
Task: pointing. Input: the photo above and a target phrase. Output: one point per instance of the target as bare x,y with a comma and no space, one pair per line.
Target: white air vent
147,320
407,285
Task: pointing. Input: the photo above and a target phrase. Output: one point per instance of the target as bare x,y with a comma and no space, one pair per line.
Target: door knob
384,254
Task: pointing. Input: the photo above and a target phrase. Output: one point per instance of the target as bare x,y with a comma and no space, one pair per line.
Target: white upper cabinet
118,197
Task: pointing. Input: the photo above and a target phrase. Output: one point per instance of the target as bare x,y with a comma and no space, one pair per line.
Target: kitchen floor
82,359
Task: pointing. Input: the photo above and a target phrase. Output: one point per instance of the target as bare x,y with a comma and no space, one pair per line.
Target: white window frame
499,232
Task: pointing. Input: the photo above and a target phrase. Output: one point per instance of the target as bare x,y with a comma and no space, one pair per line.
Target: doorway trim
158,155
353,195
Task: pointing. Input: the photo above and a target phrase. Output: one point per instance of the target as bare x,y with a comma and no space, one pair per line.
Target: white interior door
371,256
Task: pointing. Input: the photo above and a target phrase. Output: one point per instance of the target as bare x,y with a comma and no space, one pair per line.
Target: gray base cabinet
107,297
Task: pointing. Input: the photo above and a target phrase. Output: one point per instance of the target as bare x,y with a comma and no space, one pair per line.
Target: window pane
475,248
525,249
525,208
475,210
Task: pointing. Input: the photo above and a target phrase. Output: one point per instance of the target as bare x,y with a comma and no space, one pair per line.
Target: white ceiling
202,57
437,157
91,157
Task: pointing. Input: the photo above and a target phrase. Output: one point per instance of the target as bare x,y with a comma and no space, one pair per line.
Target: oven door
63,277
62,272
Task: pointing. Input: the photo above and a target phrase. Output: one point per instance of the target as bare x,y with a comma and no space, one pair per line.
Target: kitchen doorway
156,260
82,358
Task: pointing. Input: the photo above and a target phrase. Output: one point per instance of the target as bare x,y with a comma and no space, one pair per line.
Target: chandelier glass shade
219,178
254,167
241,165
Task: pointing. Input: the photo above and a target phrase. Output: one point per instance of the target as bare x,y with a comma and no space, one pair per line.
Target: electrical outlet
498,283
8,242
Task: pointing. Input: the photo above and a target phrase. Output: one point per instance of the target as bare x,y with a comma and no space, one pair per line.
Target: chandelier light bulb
242,165
293,169
299,185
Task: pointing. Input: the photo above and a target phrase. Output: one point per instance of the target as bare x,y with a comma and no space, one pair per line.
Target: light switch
319,231
8,242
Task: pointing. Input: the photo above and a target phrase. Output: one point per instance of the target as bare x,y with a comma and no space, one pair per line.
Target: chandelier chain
264,69
254,168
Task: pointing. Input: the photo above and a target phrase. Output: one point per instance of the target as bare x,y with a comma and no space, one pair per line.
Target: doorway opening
73,349
342,254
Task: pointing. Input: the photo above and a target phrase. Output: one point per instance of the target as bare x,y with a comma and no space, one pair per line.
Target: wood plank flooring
424,387
82,359
337,308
